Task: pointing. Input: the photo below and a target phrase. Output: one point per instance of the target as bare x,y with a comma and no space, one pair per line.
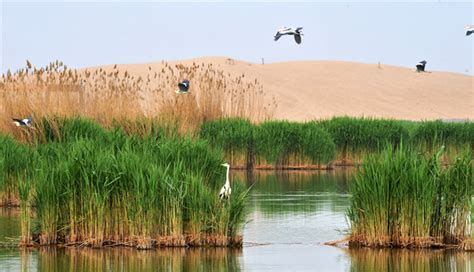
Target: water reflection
291,215
410,260
121,259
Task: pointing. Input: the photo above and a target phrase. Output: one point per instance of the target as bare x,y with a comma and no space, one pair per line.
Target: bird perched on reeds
225,190
183,87
420,67
469,30
289,31
23,122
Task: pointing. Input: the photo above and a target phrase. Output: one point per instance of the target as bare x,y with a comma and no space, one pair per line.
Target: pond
291,215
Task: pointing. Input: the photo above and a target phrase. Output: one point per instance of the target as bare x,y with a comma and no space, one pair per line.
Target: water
291,215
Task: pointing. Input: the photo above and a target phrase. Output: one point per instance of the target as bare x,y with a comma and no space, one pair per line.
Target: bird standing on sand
23,122
289,31
420,67
225,190
183,87
469,30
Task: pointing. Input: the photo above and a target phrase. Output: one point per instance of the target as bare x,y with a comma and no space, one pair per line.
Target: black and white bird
225,190
469,30
23,122
289,31
183,87
420,67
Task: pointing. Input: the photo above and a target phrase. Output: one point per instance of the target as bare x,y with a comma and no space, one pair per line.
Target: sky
83,34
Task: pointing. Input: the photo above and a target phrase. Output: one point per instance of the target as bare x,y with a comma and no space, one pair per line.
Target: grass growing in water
402,198
95,187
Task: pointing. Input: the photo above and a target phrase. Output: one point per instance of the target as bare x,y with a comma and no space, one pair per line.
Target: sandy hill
319,89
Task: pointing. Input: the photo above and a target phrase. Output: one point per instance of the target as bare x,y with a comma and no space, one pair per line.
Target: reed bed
112,93
356,137
96,187
234,137
271,144
404,198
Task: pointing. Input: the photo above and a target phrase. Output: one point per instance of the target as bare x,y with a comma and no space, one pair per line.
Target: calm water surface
291,215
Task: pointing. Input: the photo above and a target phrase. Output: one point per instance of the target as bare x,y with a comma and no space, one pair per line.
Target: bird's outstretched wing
17,120
278,35
298,38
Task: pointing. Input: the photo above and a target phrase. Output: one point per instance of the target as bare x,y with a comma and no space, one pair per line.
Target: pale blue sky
86,34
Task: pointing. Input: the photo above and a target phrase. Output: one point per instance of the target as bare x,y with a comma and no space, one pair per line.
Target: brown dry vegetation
110,93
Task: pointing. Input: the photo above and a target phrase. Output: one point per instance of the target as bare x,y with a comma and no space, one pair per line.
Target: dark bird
23,122
183,87
289,31
420,67
469,30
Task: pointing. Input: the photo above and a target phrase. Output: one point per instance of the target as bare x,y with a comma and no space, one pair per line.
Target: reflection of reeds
123,259
410,260
108,94
401,198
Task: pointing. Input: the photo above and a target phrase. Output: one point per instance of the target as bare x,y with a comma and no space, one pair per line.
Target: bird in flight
183,87
469,30
420,67
23,122
289,31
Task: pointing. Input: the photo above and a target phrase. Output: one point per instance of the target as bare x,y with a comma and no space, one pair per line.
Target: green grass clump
15,162
403,198
234,136
284,143
355,137
97,187
454,136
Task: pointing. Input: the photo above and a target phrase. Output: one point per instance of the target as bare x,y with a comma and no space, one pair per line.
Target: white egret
183,87
469,30
225,190
289,31
23,122
420,67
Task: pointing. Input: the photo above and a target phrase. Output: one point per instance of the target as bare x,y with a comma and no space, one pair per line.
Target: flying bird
23,122
469,30
289,31
420,67
225,190
183,87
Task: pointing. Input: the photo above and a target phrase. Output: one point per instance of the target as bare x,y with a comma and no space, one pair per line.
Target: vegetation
283,143
112,93
403,198
276,143
94,187
355,137
234,136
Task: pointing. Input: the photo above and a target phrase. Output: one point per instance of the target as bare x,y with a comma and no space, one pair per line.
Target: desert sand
306,90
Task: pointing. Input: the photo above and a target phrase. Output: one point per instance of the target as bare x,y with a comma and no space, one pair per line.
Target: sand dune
307,90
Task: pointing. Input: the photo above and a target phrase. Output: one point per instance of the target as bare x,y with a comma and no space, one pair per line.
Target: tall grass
356,137
454,136
403,198
234,136
94,187
113,93
284,143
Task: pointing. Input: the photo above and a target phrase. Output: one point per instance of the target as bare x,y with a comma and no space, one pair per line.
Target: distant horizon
96,34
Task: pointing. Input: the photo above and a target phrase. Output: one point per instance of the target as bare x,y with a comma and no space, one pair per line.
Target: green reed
234,136
355,137
404,198
94,187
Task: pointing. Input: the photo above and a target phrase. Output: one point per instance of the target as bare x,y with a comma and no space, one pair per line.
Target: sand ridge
306,90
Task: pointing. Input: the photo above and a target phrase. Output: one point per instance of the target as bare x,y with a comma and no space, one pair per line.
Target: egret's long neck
227,175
